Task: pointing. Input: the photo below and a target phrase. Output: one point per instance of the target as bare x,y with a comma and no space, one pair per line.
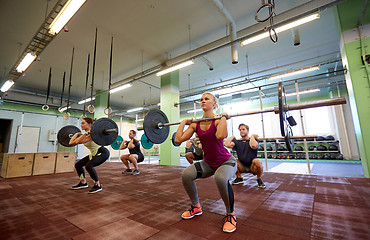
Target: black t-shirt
245,153
136,149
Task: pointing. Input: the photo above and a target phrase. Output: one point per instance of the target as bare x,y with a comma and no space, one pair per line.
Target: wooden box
65,162
17,165
44,163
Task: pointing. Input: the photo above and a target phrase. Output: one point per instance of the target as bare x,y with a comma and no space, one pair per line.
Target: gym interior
296,73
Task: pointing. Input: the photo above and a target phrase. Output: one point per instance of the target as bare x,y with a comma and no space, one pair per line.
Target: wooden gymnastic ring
93,108
45,107
66,113
110,111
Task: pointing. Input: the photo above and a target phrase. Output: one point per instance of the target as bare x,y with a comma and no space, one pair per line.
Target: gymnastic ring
45,107
260,8
93,108
60,109
274,40
82,116
66,113
109,112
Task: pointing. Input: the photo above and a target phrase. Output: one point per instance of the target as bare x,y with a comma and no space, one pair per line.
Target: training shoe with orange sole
229,223
192,212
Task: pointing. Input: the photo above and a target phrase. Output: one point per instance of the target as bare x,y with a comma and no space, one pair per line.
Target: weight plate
155,133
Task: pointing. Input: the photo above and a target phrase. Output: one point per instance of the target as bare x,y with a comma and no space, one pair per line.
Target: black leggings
101,156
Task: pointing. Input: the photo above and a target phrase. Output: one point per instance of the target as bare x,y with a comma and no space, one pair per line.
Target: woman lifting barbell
135,156
217,161
99,155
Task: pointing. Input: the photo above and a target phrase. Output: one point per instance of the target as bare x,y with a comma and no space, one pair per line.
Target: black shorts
140,157
198,157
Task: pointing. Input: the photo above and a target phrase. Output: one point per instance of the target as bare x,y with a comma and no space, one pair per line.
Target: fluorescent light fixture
67,12
173,68
140,120
159,104
135,109
26,61
120,88
294,73
63,109
86,100
197,110
227,92
7,85
282,28
302,92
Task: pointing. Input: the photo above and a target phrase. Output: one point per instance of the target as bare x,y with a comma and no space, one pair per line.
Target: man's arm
253,141
229,142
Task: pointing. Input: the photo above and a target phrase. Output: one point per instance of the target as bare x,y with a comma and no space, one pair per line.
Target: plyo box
65,162
44,163
17,165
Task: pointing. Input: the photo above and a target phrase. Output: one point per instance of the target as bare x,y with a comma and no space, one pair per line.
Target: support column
170,95
101,102
354,46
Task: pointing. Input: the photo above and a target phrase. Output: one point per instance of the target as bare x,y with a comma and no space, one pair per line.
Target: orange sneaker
229,223
193,211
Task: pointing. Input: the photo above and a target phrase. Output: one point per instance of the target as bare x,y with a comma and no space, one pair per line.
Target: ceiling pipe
301,10
206,61
232,30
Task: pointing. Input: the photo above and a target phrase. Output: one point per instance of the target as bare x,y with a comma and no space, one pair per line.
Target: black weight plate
289,142
154,133
66,133
282,109
173,140
99,134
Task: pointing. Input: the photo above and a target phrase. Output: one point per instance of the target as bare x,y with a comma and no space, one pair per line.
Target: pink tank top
214,151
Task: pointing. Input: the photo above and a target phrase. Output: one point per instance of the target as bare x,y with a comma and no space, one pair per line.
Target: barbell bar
156,124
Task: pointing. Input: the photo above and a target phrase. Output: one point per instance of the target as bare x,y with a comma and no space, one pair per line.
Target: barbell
103,132
144,142
156,124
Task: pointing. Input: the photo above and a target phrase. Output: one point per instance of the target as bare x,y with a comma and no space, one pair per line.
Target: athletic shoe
127,171
193,211
135,172
260,183
80,185
229,223
238,180
96,188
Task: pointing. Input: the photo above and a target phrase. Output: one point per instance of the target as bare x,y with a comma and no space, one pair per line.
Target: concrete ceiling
150,32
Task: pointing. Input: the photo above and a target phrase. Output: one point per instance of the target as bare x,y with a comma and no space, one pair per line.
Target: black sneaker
238,180
96,188
260,183
80,185
135,172
127,171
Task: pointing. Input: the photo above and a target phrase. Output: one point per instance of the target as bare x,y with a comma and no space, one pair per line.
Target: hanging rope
46,106
61,96
67,114
86,83
109,112
91,107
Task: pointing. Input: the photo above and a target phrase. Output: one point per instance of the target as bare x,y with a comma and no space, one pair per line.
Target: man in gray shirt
193,145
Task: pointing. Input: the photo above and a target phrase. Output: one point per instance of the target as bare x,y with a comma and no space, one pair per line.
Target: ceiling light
63,109
226,92
26,61
86,100
173,68
303,92
120,88
135,109
197,110
294,73
7,85
282,28
65,14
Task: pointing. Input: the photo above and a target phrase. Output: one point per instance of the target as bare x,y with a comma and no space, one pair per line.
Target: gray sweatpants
223,174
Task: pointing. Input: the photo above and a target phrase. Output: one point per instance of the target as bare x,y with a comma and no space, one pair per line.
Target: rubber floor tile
250,233
290,225
294,203
332,228
98,217
172,233
339,197
159,218
120,230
